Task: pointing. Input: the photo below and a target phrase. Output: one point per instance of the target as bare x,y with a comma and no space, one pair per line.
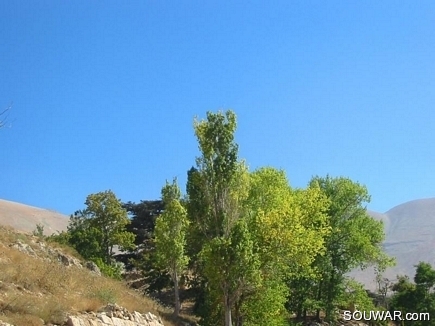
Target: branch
5,112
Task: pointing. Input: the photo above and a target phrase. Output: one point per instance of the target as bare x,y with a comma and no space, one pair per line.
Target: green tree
232,268
84,236
142,257
107,215
424,290
424,277
417,297
96,230
288,228
217,189
356,296
170,238
289,223
39,231
143,217
355,239
404,297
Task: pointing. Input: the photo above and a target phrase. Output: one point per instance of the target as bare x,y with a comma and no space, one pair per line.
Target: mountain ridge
24,217
409,237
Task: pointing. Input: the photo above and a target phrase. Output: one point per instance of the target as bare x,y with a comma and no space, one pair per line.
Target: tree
404,297
417,297
424,277
425,297
85,237
170,238
232,268
143,219
39,231
143,216
216,191
253,238
97,229
383,286
357,297
355,239
288,227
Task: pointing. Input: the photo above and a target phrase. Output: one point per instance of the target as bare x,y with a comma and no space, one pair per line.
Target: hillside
410,237
411,234
25,218
36,276
44,283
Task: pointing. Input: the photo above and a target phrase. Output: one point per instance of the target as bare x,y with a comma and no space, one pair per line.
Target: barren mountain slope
411,234
410,237
25,218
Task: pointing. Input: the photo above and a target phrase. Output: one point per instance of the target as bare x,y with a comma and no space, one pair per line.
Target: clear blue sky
104,94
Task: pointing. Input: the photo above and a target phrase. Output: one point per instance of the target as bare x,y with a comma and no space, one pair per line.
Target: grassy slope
35,290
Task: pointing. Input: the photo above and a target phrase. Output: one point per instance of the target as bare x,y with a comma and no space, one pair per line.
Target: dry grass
34,291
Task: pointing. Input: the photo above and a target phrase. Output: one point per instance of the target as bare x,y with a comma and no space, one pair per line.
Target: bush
39,231
114,270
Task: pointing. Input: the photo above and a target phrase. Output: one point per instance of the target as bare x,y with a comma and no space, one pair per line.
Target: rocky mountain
25,218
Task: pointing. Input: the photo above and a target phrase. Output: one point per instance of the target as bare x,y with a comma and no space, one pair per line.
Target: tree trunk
238,318
228,321
329,311
319,297
106,249
176,296
299,312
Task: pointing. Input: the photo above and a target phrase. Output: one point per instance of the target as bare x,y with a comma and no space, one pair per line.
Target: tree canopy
354,240
96,230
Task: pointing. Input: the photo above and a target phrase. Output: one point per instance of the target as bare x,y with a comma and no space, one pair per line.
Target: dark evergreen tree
143,217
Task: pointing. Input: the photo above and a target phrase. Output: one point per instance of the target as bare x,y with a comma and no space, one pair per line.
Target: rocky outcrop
111,315
4,324
114,315
39,249
24,247
93,267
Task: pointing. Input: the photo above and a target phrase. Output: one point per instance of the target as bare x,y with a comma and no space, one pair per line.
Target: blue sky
104,94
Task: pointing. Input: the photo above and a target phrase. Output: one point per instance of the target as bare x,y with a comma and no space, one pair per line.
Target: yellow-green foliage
290,225
170,232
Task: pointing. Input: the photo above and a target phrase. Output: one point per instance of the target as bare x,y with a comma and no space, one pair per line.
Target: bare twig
4,115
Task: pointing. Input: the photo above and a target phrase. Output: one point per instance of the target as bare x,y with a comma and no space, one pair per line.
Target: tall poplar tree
170,238
217,190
